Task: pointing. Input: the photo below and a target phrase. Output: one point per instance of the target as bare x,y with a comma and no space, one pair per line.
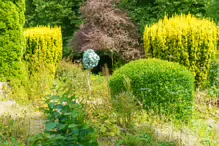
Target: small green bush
162,86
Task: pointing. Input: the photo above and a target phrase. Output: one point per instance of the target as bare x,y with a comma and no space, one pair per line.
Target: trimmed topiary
12,42
162,86
43,48
185,39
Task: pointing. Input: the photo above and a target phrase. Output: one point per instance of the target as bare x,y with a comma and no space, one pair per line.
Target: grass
118,121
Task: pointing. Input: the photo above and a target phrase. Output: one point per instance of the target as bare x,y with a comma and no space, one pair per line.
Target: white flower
64,103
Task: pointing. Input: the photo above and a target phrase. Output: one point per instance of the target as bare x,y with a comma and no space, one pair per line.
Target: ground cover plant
53,103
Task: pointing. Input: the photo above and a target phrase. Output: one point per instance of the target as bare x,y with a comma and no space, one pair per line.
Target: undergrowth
117,121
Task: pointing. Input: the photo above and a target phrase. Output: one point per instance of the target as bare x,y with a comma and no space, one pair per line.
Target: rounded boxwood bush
162,86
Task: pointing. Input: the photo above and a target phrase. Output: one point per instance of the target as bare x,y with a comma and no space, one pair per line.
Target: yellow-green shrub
184,39
12,40
43,48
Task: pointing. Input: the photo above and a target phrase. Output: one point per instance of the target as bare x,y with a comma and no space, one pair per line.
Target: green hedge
162,86
12,42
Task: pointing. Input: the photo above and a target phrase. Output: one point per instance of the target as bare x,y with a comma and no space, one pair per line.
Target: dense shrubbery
151,11
185,39
43,48
162,86
64,13
11,40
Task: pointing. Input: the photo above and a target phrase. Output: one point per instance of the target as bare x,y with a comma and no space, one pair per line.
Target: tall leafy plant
66,123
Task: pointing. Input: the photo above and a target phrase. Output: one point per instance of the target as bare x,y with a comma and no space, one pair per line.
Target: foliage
12,40
13,130
66,123
125,106
214,74
214,79
144,12
35,88
128,125
72,76
162,86
64,13
43,48
213,11
107,29
142,139
185,39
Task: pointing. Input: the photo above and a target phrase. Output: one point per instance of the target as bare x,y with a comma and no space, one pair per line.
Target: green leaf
50,125
61,126
54,98
72,126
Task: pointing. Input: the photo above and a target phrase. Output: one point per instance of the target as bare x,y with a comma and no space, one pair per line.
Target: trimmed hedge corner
185,39
43,48
162,86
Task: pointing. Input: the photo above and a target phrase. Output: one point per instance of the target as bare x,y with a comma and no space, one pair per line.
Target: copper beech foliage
107,29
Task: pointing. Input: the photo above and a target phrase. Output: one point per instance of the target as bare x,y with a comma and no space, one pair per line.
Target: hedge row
43,48
12,42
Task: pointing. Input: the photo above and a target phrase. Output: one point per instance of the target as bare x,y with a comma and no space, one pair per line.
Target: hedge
162,86
185,39
43,48
12,42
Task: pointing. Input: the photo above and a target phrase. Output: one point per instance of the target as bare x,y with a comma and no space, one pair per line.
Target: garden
109,73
